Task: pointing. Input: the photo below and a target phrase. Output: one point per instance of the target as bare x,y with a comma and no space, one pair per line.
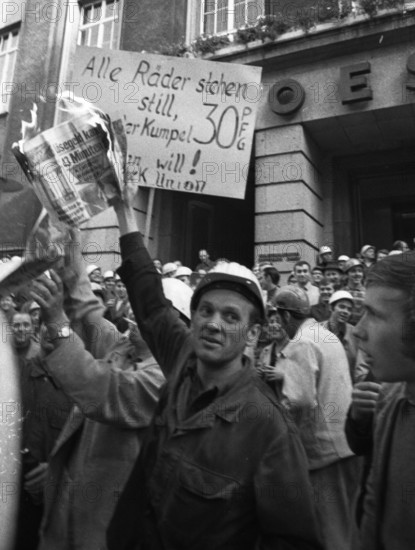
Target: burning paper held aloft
77,167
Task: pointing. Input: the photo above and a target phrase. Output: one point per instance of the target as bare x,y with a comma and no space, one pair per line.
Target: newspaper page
76,167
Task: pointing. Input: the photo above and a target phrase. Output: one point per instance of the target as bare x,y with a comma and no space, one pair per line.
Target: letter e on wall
353,84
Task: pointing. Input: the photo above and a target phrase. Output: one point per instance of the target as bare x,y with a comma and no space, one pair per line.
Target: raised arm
159,323
118,396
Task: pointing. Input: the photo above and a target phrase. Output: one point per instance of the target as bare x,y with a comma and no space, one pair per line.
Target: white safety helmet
231,276
183,271
179,294
108,275
169,269
91,268
325,250
340,295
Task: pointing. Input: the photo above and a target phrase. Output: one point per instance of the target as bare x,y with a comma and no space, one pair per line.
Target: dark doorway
223,226
386,207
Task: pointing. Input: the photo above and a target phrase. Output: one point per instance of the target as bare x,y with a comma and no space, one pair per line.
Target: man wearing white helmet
169,269
354,273
94,273
183,274
341,305
109,280
212,475
315,381
368,254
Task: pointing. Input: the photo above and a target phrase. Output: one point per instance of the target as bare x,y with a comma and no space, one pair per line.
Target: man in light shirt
302,272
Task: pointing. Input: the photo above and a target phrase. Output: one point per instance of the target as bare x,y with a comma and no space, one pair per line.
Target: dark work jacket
232,473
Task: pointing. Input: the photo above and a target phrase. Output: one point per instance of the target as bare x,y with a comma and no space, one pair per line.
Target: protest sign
189,122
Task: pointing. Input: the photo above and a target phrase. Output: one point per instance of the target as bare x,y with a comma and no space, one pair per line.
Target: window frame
9,67
116,18
231,28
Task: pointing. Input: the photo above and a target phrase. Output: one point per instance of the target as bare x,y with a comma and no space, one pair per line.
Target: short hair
15,313
399,272
301,262
325,282
273,273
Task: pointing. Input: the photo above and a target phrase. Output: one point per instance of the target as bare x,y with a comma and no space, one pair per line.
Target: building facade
335,132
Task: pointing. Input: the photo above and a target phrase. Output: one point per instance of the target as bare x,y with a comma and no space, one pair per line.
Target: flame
30,129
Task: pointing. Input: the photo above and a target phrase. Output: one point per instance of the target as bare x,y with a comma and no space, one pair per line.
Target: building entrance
386,207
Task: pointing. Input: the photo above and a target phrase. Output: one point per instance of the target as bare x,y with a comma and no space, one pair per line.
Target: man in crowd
341,306
24,344
341,261
109,280
316,382
169,269
354,273
303,277
183,274
386,334
45,408
94,273
325,255
269,279
205,262
321,311
8,306
115,389
210,475
368,255
317,275
333,273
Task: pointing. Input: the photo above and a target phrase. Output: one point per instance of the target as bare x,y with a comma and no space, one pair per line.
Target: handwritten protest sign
189,122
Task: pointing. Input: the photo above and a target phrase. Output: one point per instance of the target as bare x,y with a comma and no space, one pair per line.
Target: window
224,16
100,24
8,49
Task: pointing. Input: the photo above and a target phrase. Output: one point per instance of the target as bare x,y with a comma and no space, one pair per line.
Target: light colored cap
341,295
108,275
34,305
325,250
353,262
394,252
169,268
231,276
343,258
91,268
183,271
366,247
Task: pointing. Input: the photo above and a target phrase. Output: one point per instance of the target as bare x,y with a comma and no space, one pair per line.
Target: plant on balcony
372,7
205,44
179,49
270,27
267,27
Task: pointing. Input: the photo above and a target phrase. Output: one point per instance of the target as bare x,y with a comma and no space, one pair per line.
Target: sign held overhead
189,122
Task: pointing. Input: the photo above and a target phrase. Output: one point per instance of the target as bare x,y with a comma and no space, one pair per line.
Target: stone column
289,199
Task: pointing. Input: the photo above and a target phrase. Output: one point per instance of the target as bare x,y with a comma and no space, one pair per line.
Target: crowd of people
166,407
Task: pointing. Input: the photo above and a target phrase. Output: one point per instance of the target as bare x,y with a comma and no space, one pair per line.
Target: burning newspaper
76,167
